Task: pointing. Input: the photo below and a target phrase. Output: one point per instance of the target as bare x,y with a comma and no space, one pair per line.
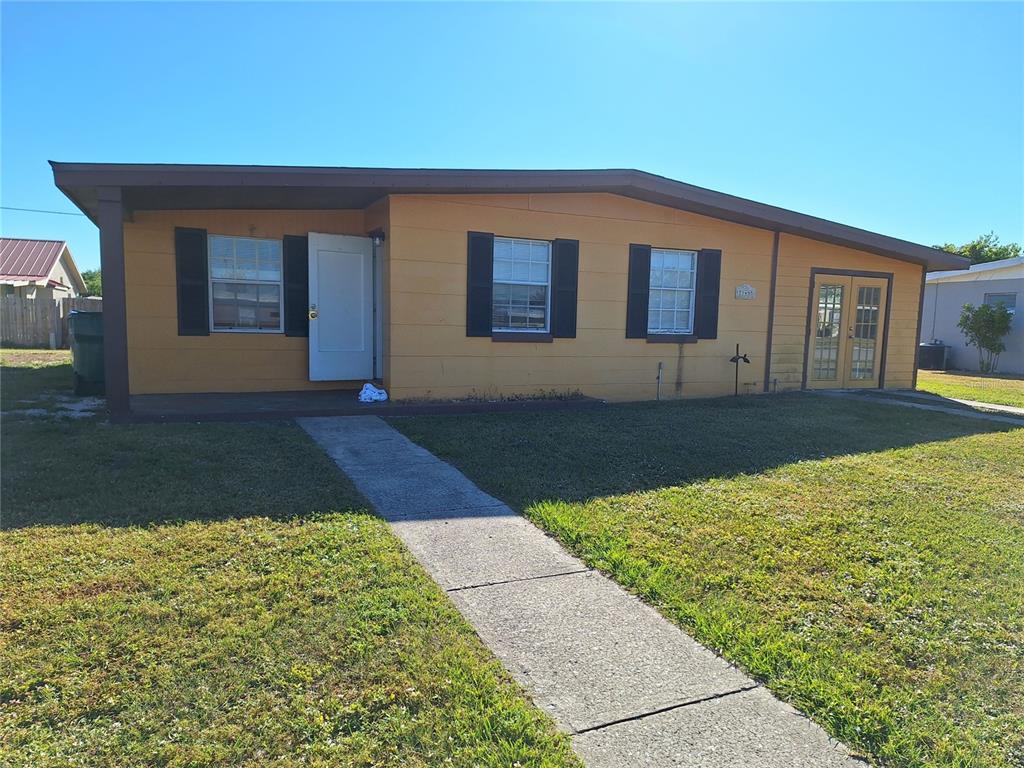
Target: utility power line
40,210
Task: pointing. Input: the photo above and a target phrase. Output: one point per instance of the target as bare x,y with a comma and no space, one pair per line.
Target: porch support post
771,312
110,218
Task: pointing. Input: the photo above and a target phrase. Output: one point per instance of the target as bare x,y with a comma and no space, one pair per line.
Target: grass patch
1000,389
865,561
30,378
217,594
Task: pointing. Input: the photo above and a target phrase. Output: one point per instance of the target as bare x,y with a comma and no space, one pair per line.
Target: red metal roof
28,259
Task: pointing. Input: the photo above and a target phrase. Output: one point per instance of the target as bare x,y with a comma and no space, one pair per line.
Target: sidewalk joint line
514,581
669,708
434,516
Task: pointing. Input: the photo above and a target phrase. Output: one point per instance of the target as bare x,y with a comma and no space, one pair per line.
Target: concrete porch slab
250,406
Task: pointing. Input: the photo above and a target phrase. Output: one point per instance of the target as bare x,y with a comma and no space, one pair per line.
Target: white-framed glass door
847,327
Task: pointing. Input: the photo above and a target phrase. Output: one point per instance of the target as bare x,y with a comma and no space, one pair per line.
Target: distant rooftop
989,270
22,259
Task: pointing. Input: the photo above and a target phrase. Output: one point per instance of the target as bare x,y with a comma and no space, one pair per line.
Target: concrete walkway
631,688
985,411
1012,410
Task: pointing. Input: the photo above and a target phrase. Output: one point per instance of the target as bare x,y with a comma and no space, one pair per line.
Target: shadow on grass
526,458
24,386
60,472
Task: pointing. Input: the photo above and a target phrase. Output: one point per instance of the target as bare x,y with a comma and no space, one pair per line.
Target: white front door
340,307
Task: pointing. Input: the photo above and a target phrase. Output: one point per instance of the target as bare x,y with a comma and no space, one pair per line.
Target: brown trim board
115,321
771,311
177,187
920,319
887,276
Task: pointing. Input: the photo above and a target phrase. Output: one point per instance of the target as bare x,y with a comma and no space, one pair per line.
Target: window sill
671,338
251,331
540,338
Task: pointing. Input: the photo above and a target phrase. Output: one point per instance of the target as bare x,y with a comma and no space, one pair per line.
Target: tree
984,249
984,327
93,282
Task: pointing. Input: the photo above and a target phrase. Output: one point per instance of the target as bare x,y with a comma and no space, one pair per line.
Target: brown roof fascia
648,187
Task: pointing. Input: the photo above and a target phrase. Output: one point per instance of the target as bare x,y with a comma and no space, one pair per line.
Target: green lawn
1001,389
865,561
29,378
211,595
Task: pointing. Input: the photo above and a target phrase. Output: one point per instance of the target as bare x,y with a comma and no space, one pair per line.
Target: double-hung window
521,299
672,297
245,284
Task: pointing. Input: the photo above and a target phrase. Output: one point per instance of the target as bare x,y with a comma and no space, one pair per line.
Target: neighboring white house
38,269
945,293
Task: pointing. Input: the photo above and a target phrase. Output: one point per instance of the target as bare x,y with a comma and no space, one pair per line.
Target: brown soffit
199,187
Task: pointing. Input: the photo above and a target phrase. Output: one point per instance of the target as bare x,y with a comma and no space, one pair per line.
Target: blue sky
903,119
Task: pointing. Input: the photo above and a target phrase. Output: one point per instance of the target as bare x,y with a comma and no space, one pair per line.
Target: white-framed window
673,290
1008,300
246,285
521,298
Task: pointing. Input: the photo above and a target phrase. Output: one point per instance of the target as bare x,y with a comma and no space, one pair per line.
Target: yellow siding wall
797,255
425,349
432,357
159,360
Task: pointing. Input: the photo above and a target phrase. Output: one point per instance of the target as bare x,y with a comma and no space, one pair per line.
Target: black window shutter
191,267
565,267
479,279
709,278
639,291
296,285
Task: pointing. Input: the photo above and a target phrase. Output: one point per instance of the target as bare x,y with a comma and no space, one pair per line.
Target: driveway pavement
632,688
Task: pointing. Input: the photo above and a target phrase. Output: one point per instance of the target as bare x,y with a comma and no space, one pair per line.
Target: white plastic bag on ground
370,394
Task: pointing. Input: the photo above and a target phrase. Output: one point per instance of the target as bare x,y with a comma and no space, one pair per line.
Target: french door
847,326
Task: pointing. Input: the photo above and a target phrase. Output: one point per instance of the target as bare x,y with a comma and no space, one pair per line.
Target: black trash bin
932,356
87,351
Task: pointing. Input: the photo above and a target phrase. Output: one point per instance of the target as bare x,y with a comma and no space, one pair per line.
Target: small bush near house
985,327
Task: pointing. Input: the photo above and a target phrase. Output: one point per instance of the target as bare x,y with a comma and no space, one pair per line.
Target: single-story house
445,284
38,269
945,293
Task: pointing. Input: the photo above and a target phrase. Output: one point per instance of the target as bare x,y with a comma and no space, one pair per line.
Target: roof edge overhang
175,187
988,270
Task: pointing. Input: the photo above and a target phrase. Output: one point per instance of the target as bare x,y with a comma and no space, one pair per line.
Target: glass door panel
847,326
828,335
866,332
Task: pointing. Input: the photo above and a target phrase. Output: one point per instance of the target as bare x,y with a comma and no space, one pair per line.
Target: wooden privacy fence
40,322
